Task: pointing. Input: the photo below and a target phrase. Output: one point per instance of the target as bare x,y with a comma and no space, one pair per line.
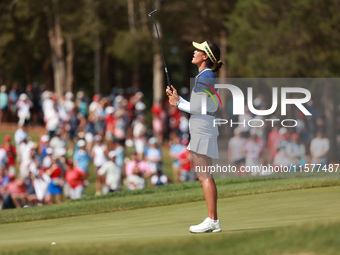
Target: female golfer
203,142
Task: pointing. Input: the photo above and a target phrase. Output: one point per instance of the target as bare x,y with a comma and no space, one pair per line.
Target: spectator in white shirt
319,148
113,174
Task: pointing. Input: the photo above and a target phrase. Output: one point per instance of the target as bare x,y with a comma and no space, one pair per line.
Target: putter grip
153,12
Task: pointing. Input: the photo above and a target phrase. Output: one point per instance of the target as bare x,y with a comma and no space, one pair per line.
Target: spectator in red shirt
109,125
184,160
274,138
11,154
75,177
56,184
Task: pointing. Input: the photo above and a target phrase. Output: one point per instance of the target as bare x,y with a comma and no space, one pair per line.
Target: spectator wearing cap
3,104
89,139
97,114
80,136
23,105
60,156
81,157
34,161
94,104
139,108
65,106
56,183
319,148
71,126
99,154
120,125
48,106
252,150
11,154
58,143
20,134
52,121
153,155
109,124
74,177
120,153
112,173
48,159
41,182
296,151
45,143
24,152
81,103
139,135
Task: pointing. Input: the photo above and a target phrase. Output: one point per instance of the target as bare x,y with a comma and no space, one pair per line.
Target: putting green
151,225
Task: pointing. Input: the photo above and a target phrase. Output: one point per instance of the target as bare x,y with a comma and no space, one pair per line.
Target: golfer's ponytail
216,51
219,64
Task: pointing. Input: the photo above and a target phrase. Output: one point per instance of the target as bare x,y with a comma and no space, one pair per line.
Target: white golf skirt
203,135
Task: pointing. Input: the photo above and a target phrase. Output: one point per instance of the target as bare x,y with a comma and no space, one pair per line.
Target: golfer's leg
210,194
208,183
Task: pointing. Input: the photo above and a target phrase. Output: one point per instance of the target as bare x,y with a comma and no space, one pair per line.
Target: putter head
153,12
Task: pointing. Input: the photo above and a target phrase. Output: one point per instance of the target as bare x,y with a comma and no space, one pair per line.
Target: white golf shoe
207,226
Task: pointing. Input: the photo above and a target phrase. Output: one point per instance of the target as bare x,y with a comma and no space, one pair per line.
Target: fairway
156,228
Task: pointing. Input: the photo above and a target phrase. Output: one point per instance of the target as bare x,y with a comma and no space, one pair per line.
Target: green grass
159,196
258,215
304,221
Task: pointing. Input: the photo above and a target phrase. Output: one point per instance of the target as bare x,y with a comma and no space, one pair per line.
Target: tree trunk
97,48
104,73
143,15
223,47
56,44
158,90
225,130
136,76
69,64
328,100
47,74
131,16
204,21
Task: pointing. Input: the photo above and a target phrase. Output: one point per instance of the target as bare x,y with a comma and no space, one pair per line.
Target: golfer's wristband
176,105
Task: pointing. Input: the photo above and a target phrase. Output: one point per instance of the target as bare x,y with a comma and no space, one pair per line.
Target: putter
159,40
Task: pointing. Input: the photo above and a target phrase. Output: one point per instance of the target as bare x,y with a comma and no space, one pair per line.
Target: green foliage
265,38
284,39
132,49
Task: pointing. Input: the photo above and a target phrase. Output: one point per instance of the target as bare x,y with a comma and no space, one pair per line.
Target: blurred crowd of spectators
277,145
109,133
109,137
